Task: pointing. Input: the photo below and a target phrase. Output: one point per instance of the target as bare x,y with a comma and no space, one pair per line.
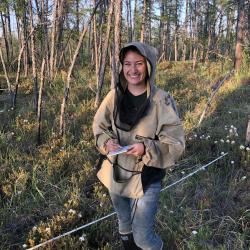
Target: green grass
50,189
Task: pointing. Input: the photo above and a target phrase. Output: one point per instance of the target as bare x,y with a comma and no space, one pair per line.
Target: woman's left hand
137,149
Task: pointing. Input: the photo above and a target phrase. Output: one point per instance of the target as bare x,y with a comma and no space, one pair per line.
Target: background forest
59,58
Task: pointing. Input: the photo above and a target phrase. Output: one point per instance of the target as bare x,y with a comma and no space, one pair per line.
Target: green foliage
4,4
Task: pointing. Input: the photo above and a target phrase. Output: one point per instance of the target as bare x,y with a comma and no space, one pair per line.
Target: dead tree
39,106
215,90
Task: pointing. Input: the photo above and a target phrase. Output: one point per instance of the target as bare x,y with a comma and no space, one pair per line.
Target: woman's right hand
112,145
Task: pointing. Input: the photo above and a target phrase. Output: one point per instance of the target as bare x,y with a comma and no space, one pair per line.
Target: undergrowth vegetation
49,189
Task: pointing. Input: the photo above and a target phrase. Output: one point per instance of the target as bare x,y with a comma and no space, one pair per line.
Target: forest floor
51,188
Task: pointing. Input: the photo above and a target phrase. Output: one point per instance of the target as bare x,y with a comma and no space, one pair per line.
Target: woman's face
134,68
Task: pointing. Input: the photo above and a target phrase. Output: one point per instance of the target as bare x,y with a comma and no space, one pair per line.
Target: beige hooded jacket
160,130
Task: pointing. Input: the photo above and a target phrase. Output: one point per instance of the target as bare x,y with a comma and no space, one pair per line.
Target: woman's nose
134,68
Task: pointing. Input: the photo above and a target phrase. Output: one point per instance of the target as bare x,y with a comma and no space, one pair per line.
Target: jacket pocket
131,188
123,175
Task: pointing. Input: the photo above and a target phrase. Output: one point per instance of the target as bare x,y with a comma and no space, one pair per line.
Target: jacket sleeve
164,151
102,122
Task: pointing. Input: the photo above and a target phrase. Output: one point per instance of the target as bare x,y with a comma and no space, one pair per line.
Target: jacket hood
120,111
150,53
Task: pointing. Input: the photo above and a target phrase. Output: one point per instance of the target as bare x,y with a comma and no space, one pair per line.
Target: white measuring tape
111,214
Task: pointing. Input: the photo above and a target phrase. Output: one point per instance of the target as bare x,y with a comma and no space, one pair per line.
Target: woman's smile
135,68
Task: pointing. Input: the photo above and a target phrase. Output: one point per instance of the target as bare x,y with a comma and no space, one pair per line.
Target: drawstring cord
133,209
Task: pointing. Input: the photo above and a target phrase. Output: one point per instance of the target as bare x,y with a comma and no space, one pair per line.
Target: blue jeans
142,214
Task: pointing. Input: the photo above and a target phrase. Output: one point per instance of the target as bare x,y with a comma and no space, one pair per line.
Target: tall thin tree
104,55
143,22
117,41
32,44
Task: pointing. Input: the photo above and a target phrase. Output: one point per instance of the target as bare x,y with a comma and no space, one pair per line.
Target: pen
108,133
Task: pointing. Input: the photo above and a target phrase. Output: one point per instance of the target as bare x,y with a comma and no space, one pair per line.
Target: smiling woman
139,115
135,72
